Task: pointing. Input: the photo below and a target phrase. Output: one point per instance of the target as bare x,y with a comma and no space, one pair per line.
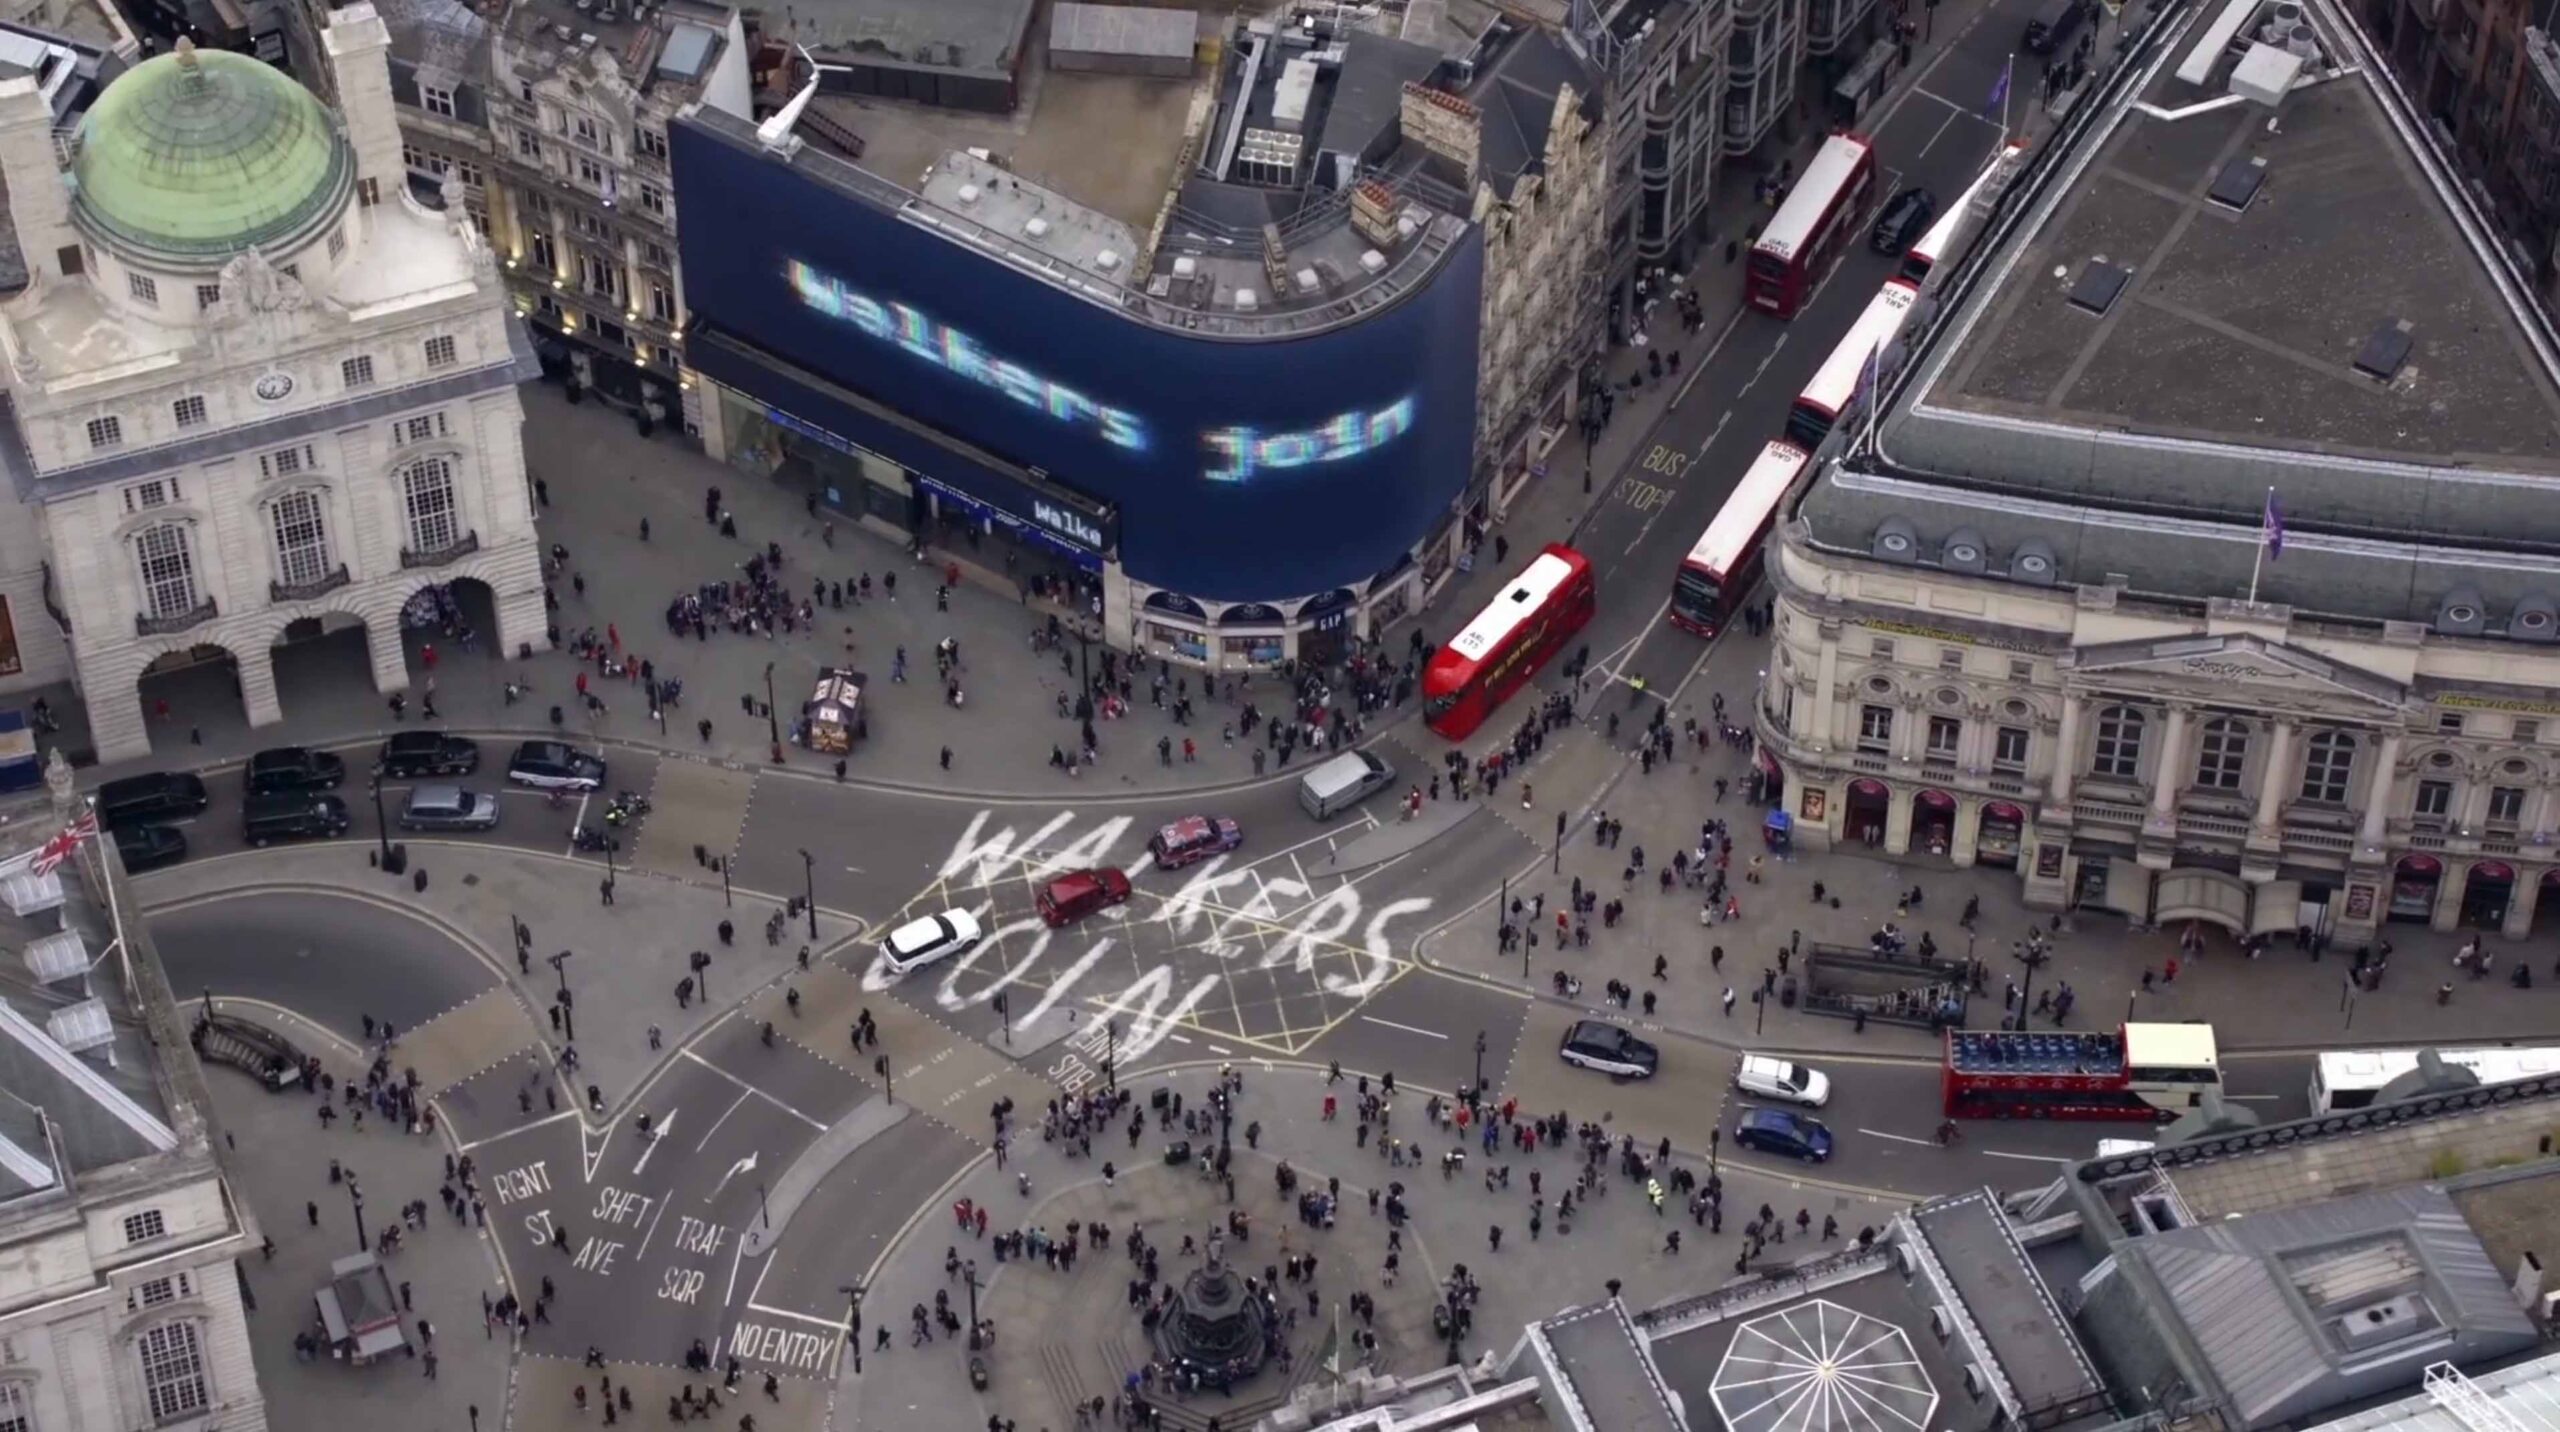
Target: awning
1936,800
2493,871
2002,810
2421,865
1873,790
2207,895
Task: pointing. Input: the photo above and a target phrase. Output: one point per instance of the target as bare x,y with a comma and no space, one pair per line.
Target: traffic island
1067,1335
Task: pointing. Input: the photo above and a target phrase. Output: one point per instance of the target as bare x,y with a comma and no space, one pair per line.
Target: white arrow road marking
657,1135
744,1165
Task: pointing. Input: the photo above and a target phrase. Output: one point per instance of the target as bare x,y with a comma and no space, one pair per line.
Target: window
144,287
435,101
188,411
2119,743
2506,805
524,91
1951,658
590,173
544,260
467,172
168,570
173,1371
2326,763
2222,753
600,275
662,303
155,1292
427,496
357,372
653,199
419,428
1944,734
2527,732
285,462
106,432
17,1413
1875,728
337,244
302,539
158,492
585,128
208,294
650,142
2021,670
2449,722
440,351
1883,648
2009,748
144,1226
529,145
2435,800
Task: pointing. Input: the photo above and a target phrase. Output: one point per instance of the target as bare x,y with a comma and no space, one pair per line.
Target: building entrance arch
1865,809
453,615
188,692
2488,889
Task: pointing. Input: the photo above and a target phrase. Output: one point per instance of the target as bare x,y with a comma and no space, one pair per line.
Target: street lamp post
772,717
973,1306
809,888
1111,1056
568,1019
609,843
381,823
1759,1010
1479,1089
1004,1011
726,898
355,1196
1559,847
888,1085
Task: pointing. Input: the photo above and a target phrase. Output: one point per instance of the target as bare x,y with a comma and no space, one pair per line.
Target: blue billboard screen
1242,469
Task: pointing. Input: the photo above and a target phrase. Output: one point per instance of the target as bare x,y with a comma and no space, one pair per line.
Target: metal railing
2371,1119
195,616
453,551
1791,1282
321,585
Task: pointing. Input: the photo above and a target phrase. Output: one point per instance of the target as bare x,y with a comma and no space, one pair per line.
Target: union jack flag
59,849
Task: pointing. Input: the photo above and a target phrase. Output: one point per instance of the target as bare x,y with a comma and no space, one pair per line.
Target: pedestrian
1728,1001
946,758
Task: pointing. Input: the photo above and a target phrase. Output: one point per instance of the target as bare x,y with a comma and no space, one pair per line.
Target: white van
1343,782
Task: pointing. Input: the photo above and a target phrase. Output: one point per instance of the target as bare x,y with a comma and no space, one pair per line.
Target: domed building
261,395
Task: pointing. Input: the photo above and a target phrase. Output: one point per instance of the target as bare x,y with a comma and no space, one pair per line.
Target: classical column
2168,777
1826,674
2066,751
1897,821
2382,793
2283,739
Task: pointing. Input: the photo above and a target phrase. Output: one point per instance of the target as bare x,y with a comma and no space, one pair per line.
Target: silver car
443,807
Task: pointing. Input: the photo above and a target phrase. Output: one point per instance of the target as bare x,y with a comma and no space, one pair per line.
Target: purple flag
2273,525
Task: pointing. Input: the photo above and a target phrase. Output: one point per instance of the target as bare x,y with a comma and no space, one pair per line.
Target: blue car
1781,1131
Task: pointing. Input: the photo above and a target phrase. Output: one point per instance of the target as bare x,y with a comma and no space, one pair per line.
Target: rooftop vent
2237,186
2033,564
1372,261
1036,227
2535,619
968,194
2100,284
2384,1322
1306,279
1107,260
1895,541
1963,552
2383,353
1247,300
2461,613
1185,266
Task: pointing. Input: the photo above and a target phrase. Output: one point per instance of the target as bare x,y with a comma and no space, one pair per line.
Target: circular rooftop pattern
1819,1367
196,155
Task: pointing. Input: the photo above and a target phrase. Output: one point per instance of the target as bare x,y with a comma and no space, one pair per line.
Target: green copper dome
196,155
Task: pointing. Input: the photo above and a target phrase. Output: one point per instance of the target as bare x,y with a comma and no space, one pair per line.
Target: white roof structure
2522,1398
1816,1366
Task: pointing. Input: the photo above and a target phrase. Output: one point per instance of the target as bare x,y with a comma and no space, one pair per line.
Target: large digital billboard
1242,469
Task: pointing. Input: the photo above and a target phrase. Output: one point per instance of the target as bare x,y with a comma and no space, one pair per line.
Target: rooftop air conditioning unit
1036,227
1372,261
1247,300
1107,260
969,193
1185,266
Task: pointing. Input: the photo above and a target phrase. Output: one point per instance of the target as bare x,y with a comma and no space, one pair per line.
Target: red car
1065,899
1193,839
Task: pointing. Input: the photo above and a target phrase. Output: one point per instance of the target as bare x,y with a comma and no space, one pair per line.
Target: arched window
2119,743
428,502
2222,753
173,1373
2328,759
164,557
302,539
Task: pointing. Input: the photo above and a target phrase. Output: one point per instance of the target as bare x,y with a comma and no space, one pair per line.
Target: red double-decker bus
1721,570
2150,1073
1814,227
1508,641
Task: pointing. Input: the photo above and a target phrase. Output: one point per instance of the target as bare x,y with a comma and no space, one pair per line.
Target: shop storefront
2413,888
1325,627
2002,824
2487,891
1933,822
1867,808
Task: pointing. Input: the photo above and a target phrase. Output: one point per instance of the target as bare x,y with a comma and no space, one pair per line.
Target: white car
1781,1081
921,942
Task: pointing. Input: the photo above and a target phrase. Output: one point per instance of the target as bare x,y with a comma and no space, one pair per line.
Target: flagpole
2258,563
2008,75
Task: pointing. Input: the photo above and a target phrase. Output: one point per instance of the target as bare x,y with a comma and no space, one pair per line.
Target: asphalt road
333,959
